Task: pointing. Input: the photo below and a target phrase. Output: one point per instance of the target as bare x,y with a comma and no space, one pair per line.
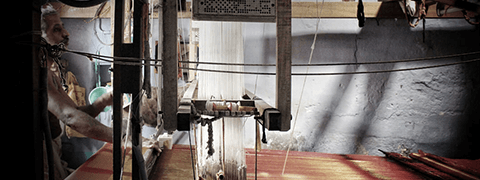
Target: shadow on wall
432,109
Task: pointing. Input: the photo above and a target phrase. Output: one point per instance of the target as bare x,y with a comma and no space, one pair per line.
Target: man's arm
65,110
78,120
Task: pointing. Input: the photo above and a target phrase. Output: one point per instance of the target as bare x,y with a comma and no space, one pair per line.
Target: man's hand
99,104
105,100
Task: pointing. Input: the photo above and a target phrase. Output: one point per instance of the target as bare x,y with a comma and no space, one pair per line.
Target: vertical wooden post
134,72
160,56
284,61
117,93
169,64
127,80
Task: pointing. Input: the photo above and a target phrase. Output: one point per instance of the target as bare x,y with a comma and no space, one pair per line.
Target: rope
210,140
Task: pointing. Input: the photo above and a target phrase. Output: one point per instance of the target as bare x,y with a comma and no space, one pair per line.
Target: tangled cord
421,14
54,52
210,140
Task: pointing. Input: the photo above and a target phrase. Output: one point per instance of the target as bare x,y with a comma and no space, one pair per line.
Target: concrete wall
432,109
82,38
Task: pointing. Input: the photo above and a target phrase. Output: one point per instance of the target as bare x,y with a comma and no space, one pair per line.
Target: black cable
339,73
101,57
223,71
136,61
343,64
248,64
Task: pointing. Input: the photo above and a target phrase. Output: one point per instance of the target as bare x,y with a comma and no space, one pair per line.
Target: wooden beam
117,94
284,62
184,109
190,92
169,64
134,72
299,10
389,9
260,104
271,117
344,10
127,80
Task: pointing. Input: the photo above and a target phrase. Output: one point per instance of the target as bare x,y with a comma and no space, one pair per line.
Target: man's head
52,27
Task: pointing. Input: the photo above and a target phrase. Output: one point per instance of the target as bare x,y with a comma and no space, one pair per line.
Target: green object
96,93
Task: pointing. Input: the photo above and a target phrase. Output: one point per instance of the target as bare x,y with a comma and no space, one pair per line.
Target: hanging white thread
303,86
221,42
